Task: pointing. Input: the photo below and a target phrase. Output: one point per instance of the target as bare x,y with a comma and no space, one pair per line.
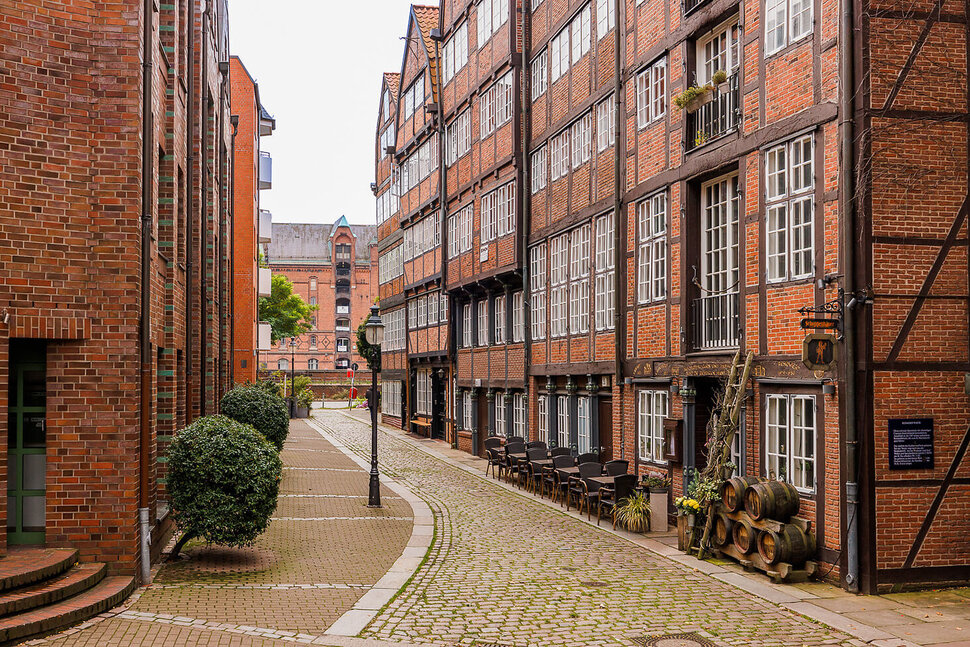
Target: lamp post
374,334
292,375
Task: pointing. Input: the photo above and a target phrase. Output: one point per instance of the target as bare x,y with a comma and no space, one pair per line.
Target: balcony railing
718,117
265,226
265,170
716,322
343,310
265,286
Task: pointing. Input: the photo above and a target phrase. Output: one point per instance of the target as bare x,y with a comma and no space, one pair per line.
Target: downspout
234,120
443,227
189,211
145,431
525,95
204,210
220,375
619,239
847,202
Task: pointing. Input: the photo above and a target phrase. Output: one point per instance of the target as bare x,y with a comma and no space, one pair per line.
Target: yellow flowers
687,505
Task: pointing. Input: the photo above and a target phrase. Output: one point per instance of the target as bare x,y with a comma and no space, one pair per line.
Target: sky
319,65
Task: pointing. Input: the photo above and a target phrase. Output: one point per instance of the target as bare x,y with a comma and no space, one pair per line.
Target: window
583,436
719,235
605,277
542,419
391,398
483,323
432,309
283,364
538,170
560,155
518,415
535,4
343,362
790,439
537,278
443,308
719,51
652,93
518,316
460,231
558,277
458,138
605,123
579,280
313,284
343,345
492,14
789,184
422,309
466,325
559,51
387,139
419,165
499,319
501,428
605,17
393,330
562,420
652,248
496,105
540,74
466,409
312,363
391,264
313,342
498,212
651,411
422,392
779,29
580,30
454,55
414,97
313,301
582,139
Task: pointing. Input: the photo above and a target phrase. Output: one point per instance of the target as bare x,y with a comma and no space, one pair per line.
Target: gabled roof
393,82
341,222
305,243
427,19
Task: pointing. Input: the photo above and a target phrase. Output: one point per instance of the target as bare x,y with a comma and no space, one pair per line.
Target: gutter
204,210
234,120
189,210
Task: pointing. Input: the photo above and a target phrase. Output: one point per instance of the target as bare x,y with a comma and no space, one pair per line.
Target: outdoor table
600,481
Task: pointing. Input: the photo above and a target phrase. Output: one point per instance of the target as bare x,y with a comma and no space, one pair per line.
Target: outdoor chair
559,451
607,497
535,444
579,488
530,471
493,453
506,466
617,467
587,458
551,478
515,439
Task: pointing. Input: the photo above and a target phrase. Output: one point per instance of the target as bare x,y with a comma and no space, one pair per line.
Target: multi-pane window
393,330
492,14
652,93
539,170
432,310
419,165
720,207
605,123
652,248
518,415
720,51
580,32
582,131
789,189
537,278
559,54
790,439
559,290
443,308
466,325
501,425
313,363
496,105
651,411
542,419
604,283
540,74
786,21
458,138
605,17
579,280
313,283
423,392
483,323
454,55
562,421
390,265
387,139
422,311
498,212
388,203
313,342
499,319
391,398
559,155
414,97
518,316
583,435
460,231
466,409
283,364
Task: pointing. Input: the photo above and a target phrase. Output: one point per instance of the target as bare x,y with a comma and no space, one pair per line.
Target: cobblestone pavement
507,570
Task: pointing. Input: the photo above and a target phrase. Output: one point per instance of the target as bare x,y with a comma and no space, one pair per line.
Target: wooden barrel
744,535
732,491
723,526
771,500
792,545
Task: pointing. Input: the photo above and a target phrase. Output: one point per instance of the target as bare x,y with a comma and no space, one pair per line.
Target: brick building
653,242
251,226
114,263
332,267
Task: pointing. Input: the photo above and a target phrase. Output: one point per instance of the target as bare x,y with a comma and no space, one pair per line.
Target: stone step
107,594
80,578
26,565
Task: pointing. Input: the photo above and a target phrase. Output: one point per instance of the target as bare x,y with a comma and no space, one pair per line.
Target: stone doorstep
24,565
80,578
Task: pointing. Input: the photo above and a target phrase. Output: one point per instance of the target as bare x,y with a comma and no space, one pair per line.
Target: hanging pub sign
818,351
815,323
910,443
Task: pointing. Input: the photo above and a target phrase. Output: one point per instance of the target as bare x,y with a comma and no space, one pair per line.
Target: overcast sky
319,67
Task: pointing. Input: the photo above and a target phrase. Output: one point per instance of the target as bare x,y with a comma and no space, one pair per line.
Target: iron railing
718,117
717,323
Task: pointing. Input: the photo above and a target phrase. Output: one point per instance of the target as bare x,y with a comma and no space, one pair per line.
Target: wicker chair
587,458
550,476
506,465
579,488
617,467
515,439
535,444
559,451
608,496
531,471
494,454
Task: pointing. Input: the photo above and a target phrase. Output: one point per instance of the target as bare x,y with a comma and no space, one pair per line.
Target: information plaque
910,443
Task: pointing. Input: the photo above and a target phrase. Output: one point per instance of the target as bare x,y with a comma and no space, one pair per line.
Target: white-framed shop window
501,424
519,415
790,439
562,421
583,425
498,316
542,418
652,407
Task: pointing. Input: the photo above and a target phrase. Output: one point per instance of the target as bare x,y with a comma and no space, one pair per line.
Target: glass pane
13,470
34,430
11,513
33,514
12,430
35,466
35,389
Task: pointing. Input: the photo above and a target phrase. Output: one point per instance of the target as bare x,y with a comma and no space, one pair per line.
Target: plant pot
691,520
724,88
658,509
302,412
699,101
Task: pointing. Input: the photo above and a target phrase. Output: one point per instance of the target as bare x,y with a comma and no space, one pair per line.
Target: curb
352,622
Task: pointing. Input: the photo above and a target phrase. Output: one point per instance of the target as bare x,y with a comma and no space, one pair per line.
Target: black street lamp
374,334
293,345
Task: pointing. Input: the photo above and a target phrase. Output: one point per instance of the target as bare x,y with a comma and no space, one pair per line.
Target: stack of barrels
756,524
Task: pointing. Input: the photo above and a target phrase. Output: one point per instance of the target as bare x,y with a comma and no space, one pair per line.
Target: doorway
705,409
438,405
605,418
27,443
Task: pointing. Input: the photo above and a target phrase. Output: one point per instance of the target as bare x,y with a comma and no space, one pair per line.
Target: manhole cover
594,583
674,640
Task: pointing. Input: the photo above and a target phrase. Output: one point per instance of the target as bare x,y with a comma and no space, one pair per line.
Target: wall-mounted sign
818,351
910,443
814,323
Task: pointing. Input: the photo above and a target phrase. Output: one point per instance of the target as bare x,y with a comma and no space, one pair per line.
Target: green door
26,453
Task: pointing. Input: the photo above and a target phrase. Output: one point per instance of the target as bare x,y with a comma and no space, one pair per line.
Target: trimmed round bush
270,386
223,478
263,410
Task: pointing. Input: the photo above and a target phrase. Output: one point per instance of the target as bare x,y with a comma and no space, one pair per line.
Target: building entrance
27,443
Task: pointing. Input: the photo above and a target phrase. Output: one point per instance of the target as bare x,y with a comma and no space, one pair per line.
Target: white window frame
539,169
562,421
605,277
606,123
492,14
542,418
499,319
518,316
652,93
312,364
559,285
584,436
519,414
786,22
483,323
790,210
559,155
501,415
581,132
466,325
786,441
652,225
454,54
466,409
559,52
605,17
580,34
720,50
540,74
652,409
537,279
458,138
579,264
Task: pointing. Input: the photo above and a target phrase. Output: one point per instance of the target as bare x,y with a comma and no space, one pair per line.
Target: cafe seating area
581,482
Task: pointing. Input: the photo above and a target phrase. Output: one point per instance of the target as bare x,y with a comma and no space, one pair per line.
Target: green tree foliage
372,354
288,315
223,478
256,406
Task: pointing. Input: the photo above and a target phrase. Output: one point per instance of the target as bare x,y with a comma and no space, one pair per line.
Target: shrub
223,479
270,386
304,398
301,382
257,407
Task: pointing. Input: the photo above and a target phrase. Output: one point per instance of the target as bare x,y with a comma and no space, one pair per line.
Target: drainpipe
450,354
147,144
189,212
234,120
221,246
619,219
525,95
204,210
847,202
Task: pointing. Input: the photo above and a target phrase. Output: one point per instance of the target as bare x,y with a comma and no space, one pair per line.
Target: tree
370,353
288,315
256,406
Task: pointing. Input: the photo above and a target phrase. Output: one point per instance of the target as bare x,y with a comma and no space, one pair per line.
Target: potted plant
691,99
720,81
633,513
659,486
303,401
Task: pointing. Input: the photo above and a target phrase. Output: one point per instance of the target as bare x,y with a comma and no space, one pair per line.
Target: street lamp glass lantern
374,330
